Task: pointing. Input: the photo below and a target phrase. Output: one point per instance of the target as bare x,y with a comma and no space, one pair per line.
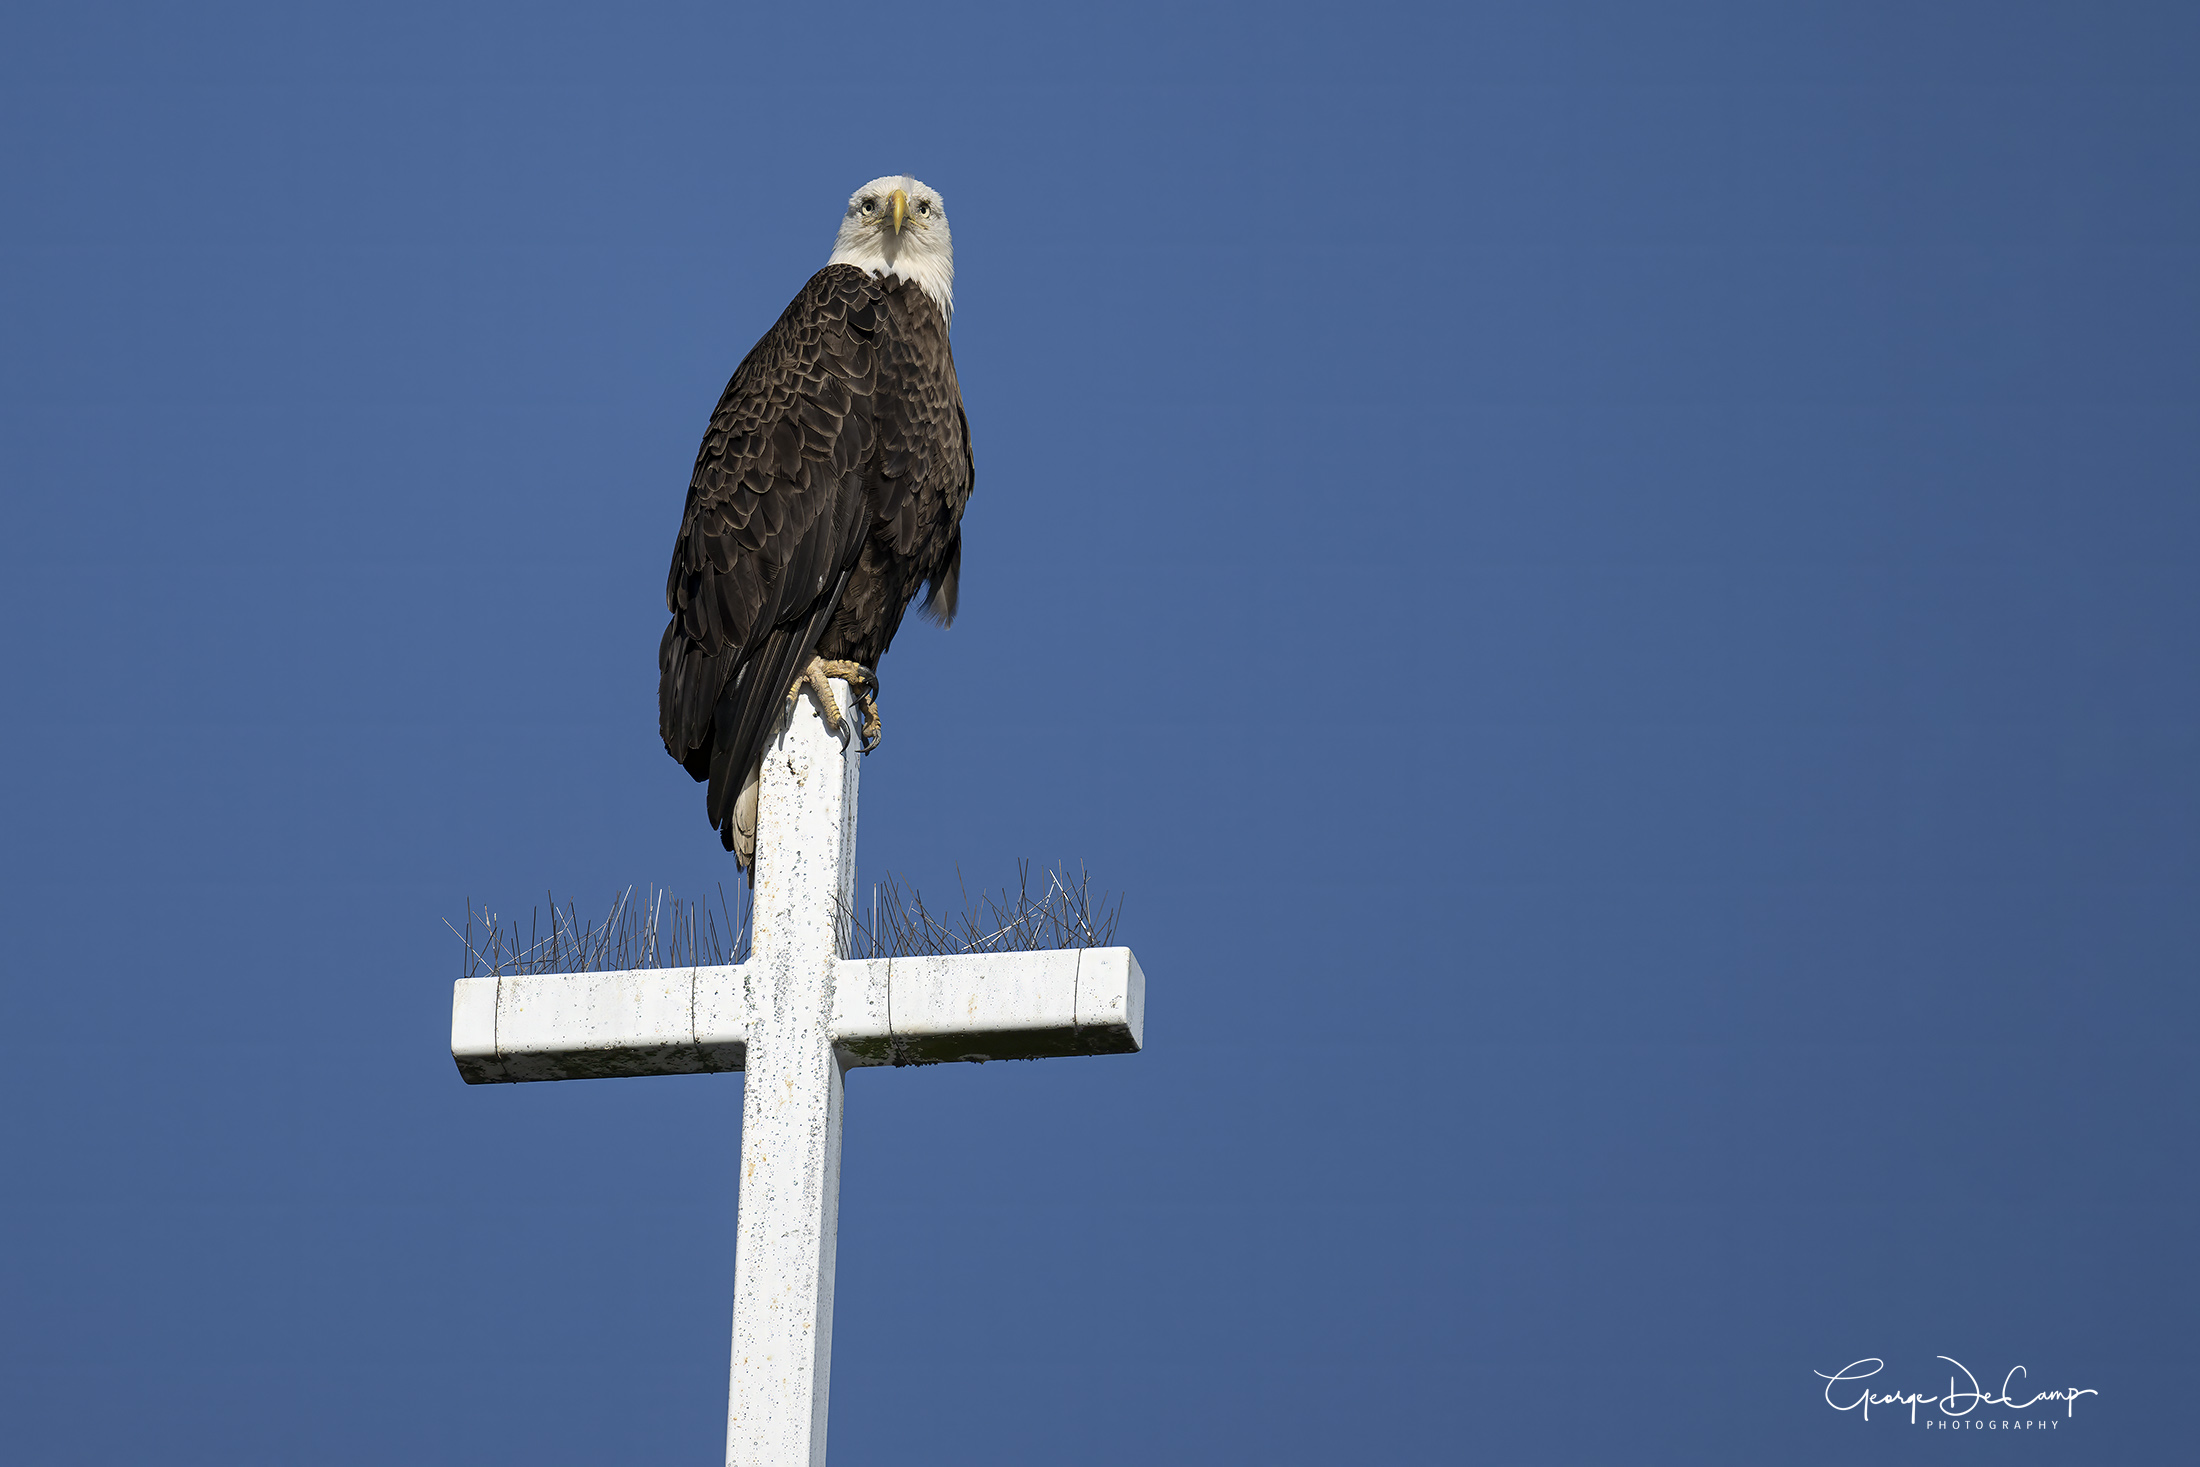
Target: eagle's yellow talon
862,683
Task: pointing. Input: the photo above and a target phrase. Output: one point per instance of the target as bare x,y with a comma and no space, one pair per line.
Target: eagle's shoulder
826,331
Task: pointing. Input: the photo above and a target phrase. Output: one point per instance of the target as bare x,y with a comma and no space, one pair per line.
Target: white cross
797,1016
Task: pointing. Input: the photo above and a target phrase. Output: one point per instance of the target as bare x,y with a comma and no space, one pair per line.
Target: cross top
797,1016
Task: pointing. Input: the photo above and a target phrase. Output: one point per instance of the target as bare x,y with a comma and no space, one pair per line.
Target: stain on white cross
797,1016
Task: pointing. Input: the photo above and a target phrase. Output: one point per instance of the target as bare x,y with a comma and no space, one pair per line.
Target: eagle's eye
923,207
869,205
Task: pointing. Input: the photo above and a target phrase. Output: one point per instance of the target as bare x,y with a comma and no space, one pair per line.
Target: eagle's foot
860,680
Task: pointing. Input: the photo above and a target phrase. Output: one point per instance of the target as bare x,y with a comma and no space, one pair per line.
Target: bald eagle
829,487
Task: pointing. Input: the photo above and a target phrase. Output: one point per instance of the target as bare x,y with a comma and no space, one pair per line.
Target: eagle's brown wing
775,521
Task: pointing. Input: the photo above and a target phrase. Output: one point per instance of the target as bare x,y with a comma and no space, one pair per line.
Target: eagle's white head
898,226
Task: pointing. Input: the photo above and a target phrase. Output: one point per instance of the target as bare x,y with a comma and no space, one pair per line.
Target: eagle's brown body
829,487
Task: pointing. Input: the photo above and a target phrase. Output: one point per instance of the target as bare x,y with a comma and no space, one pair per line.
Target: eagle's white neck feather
923,253
935,277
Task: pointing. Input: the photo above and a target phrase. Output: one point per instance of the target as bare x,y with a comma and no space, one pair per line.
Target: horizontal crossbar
886,1011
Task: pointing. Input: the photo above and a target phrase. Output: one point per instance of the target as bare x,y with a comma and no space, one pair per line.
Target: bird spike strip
654,929
658,931
1064,914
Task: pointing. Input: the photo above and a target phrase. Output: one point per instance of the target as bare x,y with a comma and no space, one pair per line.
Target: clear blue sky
1617,585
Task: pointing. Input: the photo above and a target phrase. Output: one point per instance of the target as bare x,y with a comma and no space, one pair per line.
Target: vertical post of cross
791,1104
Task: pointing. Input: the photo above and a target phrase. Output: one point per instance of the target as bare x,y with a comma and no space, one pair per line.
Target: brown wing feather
770,528
829,486
924,480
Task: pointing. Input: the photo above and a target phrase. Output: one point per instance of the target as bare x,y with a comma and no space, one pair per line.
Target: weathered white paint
886,1011
863,1011
474,1031
791,1106
797,1016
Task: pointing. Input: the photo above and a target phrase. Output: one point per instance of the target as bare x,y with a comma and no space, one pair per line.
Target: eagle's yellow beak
898,203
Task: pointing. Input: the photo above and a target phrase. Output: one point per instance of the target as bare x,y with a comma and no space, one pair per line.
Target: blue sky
1615,584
